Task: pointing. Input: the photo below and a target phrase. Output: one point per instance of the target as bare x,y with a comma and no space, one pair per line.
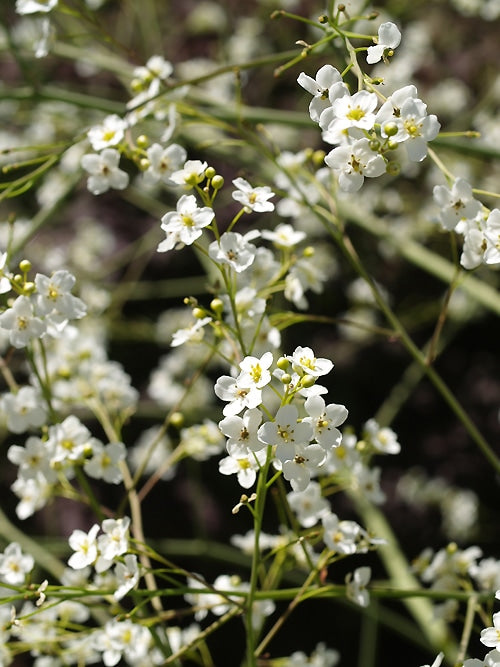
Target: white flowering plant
205,448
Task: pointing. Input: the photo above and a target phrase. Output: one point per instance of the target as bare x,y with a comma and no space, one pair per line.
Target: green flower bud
177,419
217,182
217,305
210,172
286,378
393,168
199,313
391,129
282,363
307,381
142,141
25,265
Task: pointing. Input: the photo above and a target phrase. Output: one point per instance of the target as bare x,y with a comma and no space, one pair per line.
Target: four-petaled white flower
109,133
104,171
114,542
22,323
304,362
253,198
284,236
14,565
326,77
54,298
163,162
349,116
85,547
242,431
244,465
240,393
256,370
389,38
127,575
340,536
324,419
285,432
491,636
352,163
234,250
186,224
192,173
457,204
356,583
383,439
105,461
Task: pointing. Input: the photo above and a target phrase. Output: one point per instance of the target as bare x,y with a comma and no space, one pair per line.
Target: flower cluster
365,135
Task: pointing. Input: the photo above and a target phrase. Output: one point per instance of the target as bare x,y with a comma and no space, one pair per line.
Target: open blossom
85,547
257,370
353,162
491,636
14,565
23,409
127,575
240,393
104,171
356,584
184,225
105,461
233,249
457,204
242,431
326,77
324,419
33,6
340,536
409,114
309,505
492,235
389,38
284,236
109,133
383,439
244,465
21,322
163,162
285,432
192,173
253,199
54,298
304,361
349,116
114,541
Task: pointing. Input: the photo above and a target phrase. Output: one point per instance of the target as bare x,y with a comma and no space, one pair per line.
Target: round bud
217,305
210,172
177,419
393,168
29,287
144,164
142,141
323,18
392,145
282,363
308,251
217,182
199,313
318,157
451,548
390,129
18,279
307,381
286,378
25,265
136,85
374,145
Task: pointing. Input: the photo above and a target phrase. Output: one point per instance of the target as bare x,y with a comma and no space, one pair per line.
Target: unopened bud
390,129
199,313
217,182
217,305
142,141
25,265
393,168
177,419
210,172
307,381
282,363
286,378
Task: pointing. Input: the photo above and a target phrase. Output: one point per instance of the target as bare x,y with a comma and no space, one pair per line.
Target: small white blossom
24,409
285,432
324,419
54,298
240,393
104,171
283,236
21,322
356,586
309,505
491,636
113,543
244,465
85,547
253,198
184,225
457,204
234,250
192,173
105,461
326,77
304,362
389,38
256,370
127,575
242,431
163,162
340,536
109,133
352,163
348,115
33,6
383,439
14,565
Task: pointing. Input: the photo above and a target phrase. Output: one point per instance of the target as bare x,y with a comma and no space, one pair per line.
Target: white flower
324,419
492,235
32,6
253,199
353,162
457,205
105,461
5,285
306,461
349,113
474,248
340,536
104,171
21,322
304,362
389,38
383,439
326,77
85,547
242,431
244,465
113,543
109,133
415,126
127,575
240,393
491,636
33,460
257,370
24,409
233,249
192,173
284,236
14,565
285,432
163,162
309,505
194,333
356,586
184,225
69,440
54,298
